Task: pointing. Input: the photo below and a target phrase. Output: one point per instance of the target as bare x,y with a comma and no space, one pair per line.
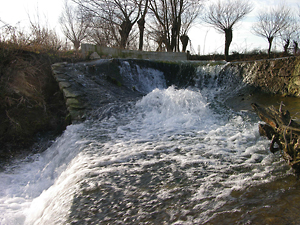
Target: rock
94,55
70,93
76,115
63,85
74,103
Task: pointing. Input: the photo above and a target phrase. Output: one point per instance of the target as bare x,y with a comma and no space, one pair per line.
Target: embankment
31,103
277,76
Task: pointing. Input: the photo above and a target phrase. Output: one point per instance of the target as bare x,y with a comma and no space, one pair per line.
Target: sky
204,39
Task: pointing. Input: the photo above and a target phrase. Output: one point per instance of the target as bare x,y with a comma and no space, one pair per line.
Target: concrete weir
90,88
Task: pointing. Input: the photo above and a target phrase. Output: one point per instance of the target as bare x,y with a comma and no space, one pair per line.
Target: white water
174,156
143,80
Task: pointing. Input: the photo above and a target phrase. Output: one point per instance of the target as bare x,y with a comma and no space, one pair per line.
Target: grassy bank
31,103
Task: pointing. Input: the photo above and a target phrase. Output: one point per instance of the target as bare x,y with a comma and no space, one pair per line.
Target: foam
171,146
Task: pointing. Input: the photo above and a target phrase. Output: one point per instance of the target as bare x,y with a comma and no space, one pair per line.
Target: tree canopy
74,25
270,22
223,15
172,19
118,15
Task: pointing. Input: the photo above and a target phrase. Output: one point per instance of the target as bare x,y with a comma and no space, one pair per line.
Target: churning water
174,156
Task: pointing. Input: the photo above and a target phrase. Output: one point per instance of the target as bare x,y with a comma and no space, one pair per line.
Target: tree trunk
141,24
228,40
286,46
282,130
175,35
295,47
270,40
184,40
76,44
124,32
168,45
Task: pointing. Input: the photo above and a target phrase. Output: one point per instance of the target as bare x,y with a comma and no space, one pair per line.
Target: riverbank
31,105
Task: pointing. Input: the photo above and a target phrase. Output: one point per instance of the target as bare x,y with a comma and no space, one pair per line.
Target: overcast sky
204,39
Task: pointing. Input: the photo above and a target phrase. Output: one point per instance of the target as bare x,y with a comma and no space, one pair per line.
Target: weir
115,79
154,143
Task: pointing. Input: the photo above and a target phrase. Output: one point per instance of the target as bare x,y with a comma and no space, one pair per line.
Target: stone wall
131,54
277,76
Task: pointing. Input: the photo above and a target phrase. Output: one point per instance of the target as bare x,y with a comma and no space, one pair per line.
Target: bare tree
188,18
223,16
172,18
102,33
289,34
297,36
270,22
141,23
120,15
74,24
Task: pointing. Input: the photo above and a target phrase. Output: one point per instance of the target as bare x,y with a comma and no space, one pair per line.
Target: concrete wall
131,54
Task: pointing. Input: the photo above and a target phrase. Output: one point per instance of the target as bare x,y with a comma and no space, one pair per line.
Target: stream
171,155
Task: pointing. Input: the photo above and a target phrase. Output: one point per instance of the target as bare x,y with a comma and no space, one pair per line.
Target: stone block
94,55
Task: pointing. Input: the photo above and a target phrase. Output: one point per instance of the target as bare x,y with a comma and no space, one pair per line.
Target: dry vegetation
31,103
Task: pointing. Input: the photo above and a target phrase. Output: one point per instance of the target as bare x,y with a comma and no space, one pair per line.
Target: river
173,156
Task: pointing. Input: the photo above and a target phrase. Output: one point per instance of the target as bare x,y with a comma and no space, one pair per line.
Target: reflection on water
243,102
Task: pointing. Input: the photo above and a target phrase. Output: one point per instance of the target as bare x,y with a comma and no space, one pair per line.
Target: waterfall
143,80
172,154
